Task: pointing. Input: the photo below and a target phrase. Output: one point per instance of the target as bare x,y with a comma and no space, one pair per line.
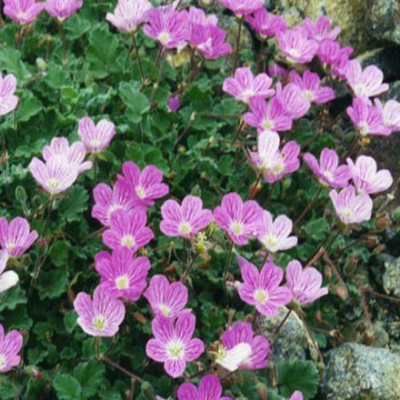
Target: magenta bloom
210,388
367,83
74,155
108,200
169,27
197,16
328,170
128,230
101,316
96,137
121,276
8,102
297,396
390,113
367,118
146,185
266,24
350,207
62,9
295,46
321,29
367,178
272,162
268,117
16,237
129,14
184,220
10,346
55,176
242,7
293,101
310,88
245,87
305,284
167,299
261,288
173,344
174,104
7,279
275,234
331,54
209,41
242,333
22,11
241,221
277,71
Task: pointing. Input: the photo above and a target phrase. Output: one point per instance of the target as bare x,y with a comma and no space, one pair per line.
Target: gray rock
292,342
383,20
357,372
391,275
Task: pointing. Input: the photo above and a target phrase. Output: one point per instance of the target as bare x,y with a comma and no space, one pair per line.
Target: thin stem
62,34
365,307
255,186
184,256
322,249
189,268
119,368
239,130
311,336
308,208
280,326
228,261
155,67
155,87
95,171
139,60
211,115
335,271
239,37
97,345
185,131
260,56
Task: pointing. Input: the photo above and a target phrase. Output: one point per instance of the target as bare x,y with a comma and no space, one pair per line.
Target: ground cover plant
172,177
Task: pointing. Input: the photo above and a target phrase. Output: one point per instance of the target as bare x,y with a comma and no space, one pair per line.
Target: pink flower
168,27
62,9
277,71
16,237
242,7
7,279
8,102
128,230
320,30
261,288
293,101
129,14
268,116
297,396
367,178
390,113
331,54
328,170
121,276
73,155
10,346
275,234
173,344
184,220
174,104
367,118
199,17
295,46
241,221
22,11
351,208
167,299
242,333
210,388
209,41
146,185
266,24
55,176
245,87
96,137
367,83
272,162
108,200
310,88
100,317
305,284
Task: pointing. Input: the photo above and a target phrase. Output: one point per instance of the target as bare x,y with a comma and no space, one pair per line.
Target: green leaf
76,202
90,376
8,390
70,319
298,375
30,106
10,60
52,284
67,387
317,228
59,253
10,299
27,151
76,26
137,102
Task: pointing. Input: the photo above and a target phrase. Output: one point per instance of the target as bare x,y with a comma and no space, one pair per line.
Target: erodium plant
173,191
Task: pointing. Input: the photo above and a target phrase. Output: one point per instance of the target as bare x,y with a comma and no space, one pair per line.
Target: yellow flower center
128,241
95,143
165,310
294,53
164,38
185,228
175,350
360,89
99,322
270,242
261,296
268,125
237,228
140,192
309,95
53,184
122,282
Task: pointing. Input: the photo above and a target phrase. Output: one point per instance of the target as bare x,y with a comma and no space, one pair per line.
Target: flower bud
20,194
382,221
41,64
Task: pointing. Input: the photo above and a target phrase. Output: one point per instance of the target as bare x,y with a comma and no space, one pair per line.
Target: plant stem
228,261
119,368
308,208
255,186
239,130
155,67
239,37
62,34
311,336
322,249
95,171
139,60
155,87
280,326
189,268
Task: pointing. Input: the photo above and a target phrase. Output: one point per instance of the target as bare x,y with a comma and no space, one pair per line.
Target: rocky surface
357,372
293,341
388,274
